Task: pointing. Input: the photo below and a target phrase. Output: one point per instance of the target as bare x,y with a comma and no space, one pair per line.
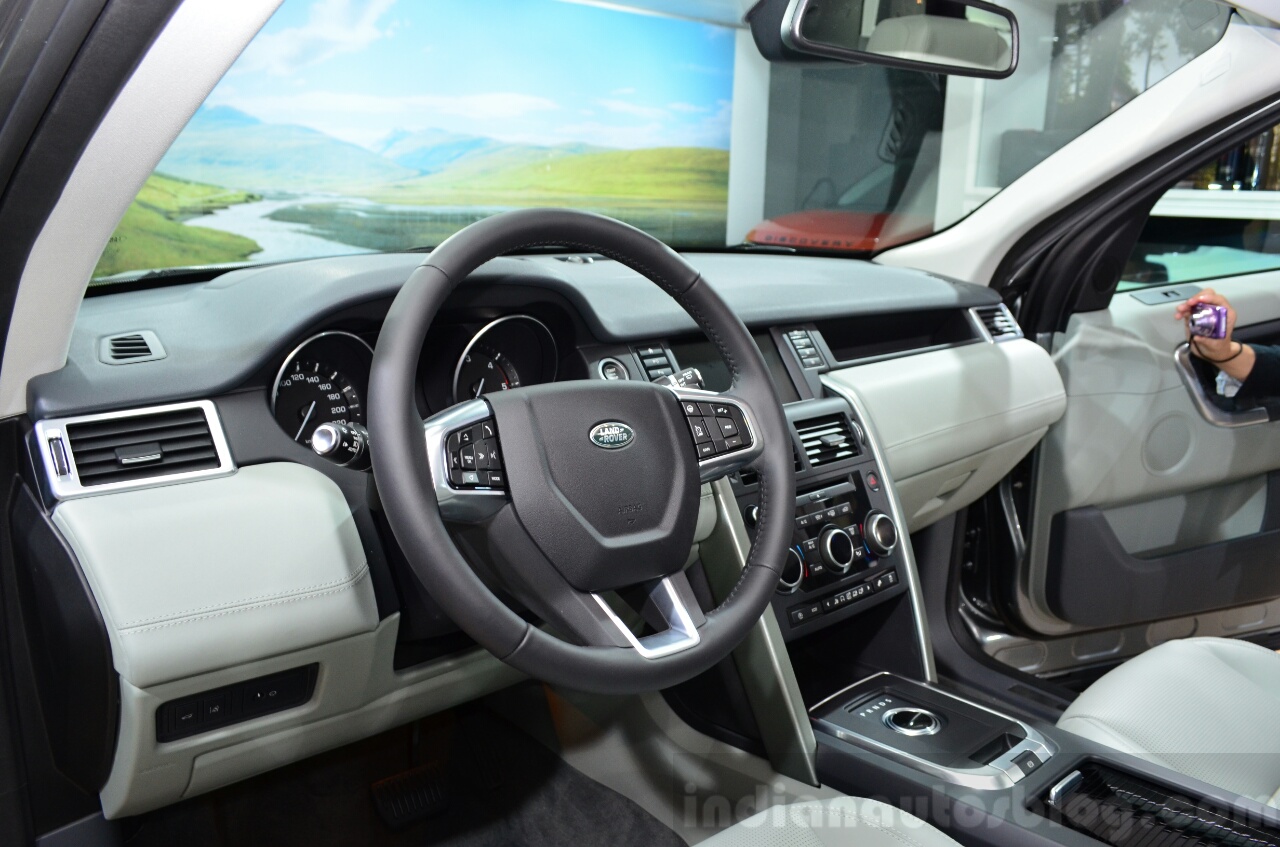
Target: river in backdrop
303,227
280,240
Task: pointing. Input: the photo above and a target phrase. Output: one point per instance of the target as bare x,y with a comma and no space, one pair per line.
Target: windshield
351,127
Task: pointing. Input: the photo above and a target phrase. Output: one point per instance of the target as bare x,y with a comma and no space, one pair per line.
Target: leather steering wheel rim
403,473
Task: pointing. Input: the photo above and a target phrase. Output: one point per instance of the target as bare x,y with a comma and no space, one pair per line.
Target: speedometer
314,393
324,380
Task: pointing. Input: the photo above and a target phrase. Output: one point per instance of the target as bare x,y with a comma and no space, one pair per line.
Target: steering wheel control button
717,427
701,432
474,456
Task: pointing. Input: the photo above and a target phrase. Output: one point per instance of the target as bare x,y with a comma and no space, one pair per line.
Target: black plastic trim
1092,582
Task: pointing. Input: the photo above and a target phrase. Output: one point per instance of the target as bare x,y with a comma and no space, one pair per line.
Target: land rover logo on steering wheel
612,435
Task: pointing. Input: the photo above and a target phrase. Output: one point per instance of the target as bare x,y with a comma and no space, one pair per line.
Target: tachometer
324,380
485,370
506,353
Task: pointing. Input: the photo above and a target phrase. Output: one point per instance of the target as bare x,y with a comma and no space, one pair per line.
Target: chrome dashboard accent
54,447
462,357
284,366
918,613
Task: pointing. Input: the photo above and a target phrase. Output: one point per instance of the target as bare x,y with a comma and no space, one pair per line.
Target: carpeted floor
505,790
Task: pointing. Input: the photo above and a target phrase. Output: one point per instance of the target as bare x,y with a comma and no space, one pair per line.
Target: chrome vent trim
997,322
128,450
827,439
130,348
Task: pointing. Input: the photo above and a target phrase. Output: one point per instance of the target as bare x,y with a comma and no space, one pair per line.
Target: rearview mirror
959,37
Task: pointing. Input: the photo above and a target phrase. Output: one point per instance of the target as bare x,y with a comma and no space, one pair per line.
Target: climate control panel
842,555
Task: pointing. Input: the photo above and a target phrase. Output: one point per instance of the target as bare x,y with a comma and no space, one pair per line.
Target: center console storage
936,732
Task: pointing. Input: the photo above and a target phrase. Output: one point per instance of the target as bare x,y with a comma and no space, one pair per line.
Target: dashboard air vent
827,439
122,449
999,322
128,348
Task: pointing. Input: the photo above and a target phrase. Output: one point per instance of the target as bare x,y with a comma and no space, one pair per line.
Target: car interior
896,511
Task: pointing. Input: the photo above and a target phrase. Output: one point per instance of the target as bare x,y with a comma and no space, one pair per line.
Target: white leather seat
843,822
1206,707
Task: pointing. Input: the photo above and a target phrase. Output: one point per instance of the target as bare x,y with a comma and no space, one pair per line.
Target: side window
1223,219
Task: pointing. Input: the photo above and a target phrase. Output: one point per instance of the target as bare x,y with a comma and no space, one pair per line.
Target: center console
845,554
934,731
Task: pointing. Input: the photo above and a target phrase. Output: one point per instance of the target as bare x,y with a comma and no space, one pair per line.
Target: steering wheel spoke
669,602
467,469
724,430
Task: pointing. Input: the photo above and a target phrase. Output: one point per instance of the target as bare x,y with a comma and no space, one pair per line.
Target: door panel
1132,462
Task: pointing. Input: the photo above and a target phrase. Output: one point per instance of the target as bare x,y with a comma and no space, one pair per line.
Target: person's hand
1209,348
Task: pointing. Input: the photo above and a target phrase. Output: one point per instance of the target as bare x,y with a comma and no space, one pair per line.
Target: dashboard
272,568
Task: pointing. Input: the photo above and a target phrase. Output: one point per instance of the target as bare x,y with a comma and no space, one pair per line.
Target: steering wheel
596,495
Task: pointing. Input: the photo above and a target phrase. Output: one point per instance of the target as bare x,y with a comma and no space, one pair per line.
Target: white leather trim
1206,707
843,822
215,573
358,694
934,409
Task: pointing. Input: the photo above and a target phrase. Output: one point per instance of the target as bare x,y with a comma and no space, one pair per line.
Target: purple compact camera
1208,321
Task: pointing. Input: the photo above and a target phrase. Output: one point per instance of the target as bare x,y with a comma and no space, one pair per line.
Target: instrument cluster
325,379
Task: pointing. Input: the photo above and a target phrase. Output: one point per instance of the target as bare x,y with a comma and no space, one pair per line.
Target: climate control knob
792,572
836,547
880,533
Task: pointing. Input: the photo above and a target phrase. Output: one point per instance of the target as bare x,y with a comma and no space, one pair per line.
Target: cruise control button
691,409
721,410
727,427
733,443
701,433
707,450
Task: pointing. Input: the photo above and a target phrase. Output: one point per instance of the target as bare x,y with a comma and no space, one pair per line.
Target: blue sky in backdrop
528,71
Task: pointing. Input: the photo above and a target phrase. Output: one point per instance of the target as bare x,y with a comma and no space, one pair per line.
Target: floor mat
506,790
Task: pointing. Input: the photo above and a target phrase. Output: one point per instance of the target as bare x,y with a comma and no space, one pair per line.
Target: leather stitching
260,601
710,330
